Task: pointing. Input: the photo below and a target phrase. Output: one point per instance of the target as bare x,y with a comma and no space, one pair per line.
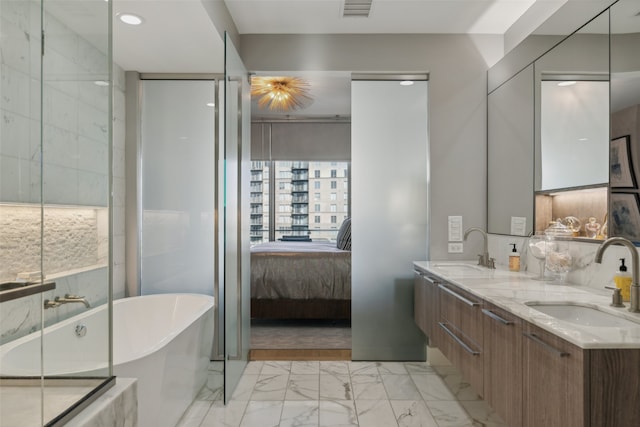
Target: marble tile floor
342,394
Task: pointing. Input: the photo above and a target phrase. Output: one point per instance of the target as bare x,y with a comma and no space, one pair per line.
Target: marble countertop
512,290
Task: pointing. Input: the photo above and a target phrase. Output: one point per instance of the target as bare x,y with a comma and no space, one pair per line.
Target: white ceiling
386,16
177,36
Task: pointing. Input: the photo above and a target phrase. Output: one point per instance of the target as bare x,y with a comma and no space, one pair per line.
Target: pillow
343,240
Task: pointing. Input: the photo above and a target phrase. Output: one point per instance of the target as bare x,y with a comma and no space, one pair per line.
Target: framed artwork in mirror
624,219
621,173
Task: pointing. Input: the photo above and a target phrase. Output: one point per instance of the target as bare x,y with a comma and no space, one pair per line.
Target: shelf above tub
14,290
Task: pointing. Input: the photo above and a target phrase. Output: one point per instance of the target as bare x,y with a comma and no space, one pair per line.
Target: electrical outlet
455,248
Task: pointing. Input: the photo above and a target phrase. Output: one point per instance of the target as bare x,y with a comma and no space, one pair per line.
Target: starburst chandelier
280,93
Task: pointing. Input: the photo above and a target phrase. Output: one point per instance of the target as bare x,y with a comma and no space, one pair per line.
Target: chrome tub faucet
68,299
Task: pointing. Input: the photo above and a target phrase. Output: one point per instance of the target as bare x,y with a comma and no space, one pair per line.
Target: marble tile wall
584,271
22,316
74,154
118,406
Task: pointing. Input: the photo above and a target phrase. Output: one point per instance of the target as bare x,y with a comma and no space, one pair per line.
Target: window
344,196
301,202
284,219
283,174
346,208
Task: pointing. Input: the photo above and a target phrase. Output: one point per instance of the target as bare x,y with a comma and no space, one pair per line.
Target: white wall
457,67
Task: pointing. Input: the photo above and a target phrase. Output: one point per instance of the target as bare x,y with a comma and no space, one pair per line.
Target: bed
301,280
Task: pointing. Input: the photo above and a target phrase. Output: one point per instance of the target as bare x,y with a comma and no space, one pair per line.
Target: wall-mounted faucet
484,259
68,299
635,287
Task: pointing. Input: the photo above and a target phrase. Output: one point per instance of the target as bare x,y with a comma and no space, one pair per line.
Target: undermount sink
582,315
459,267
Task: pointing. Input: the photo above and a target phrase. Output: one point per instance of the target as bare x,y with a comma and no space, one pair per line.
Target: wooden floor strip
299,354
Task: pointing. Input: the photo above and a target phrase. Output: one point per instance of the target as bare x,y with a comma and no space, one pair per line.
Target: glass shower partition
55,208
237,128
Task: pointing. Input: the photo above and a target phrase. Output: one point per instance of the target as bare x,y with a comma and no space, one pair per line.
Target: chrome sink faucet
483,259
635,287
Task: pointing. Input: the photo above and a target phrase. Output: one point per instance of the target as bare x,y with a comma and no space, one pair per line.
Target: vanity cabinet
555,382
503,363
529,376
461,332
426,305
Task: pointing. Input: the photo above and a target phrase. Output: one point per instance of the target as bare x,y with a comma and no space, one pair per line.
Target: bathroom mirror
510,136
571,110
625,120
554,56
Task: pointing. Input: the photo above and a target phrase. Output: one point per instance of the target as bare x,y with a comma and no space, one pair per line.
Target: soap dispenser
623,279
514,259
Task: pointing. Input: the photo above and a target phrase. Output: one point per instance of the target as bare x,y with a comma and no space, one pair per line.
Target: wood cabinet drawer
426,305
461,333
555,384
502,346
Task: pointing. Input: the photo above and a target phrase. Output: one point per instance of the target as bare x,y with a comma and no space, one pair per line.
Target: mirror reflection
574,129
510,136
572,144
572,110
625,120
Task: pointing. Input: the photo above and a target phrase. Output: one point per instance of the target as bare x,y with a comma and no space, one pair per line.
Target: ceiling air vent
357,8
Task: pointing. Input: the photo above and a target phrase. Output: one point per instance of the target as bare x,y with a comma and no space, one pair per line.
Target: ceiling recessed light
406,82
567,83
101,83
583,139
211,104
130,18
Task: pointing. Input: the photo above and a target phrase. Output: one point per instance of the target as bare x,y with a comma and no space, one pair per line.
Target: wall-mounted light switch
455,248
455,228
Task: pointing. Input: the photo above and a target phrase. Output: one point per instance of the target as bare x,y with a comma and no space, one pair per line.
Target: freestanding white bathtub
163,340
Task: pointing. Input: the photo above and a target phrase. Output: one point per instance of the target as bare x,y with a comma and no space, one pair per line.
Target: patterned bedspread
300,270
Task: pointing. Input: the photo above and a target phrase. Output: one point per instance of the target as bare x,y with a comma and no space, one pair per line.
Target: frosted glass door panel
178,179
389,220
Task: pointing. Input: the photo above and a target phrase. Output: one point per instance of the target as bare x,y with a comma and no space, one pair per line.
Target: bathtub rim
7,347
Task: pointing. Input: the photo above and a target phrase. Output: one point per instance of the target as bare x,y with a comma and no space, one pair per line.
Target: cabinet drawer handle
458,340
536,339
424,275
494,316
460,297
